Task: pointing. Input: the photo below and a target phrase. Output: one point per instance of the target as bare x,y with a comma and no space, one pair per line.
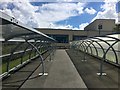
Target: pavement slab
88,71
61,74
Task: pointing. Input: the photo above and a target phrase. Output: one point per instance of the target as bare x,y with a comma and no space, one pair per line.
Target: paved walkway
89,69
61,74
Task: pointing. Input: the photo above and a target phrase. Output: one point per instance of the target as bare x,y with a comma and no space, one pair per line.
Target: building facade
107,27
64,36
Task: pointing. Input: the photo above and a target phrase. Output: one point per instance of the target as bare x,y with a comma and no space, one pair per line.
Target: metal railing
21,44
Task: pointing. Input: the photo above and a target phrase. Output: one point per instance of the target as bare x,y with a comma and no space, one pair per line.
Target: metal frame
42,60
109,46
83,47
40,41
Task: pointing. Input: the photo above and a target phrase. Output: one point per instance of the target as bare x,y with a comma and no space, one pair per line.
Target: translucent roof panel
17,40
105,47
115,36
11,28
106,38
10,31
93,39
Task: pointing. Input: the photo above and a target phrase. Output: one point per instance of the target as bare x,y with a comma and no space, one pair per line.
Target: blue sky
75,21
66,15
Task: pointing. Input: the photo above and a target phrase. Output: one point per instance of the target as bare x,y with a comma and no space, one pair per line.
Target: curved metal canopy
109,45
23,41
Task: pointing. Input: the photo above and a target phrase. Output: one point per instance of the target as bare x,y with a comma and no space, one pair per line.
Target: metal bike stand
51,55
84,58
101,73
42,60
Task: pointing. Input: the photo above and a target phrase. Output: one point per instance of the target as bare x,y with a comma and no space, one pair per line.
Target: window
60,38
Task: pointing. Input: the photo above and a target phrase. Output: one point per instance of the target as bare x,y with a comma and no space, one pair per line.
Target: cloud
46,15
108,11
90,10
43,15
82,26
61,26
61,11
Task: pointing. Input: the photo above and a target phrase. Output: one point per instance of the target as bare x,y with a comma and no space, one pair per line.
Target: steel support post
42,60
101,73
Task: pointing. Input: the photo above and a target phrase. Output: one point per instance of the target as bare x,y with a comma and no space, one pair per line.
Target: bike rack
20,35
110,40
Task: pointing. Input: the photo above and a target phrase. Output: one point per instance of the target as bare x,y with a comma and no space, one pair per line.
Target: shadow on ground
88,71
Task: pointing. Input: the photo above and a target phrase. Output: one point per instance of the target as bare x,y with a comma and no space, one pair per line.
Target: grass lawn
14,63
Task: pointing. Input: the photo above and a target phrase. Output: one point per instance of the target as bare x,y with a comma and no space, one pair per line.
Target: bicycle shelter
104,47
20,44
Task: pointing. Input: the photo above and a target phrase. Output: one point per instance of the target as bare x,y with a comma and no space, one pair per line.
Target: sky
60,14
